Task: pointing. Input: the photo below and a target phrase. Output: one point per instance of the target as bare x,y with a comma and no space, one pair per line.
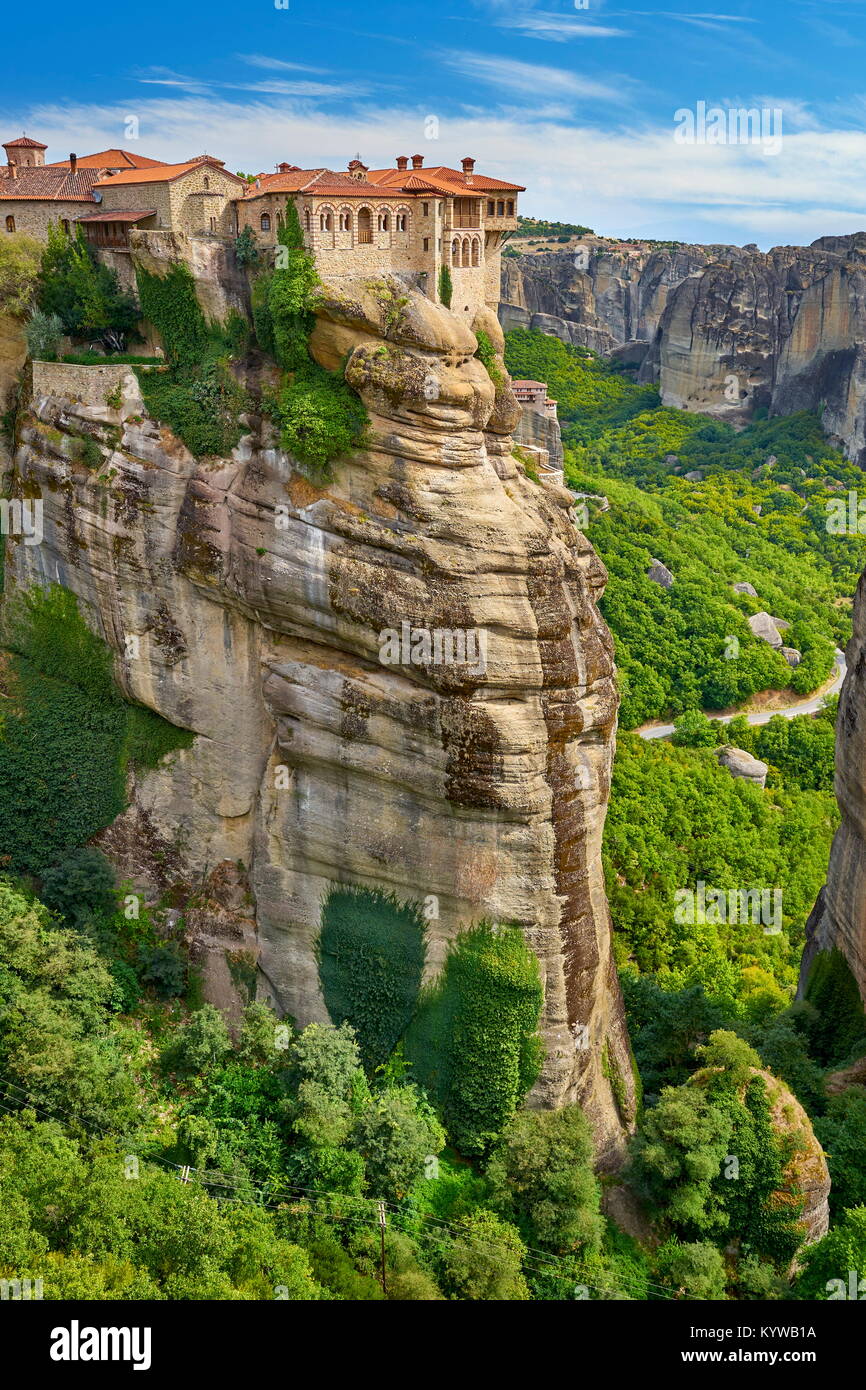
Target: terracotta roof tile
24,143
110,159
163,173
46,183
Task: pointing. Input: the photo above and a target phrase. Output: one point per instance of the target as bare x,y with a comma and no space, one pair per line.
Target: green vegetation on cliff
66,733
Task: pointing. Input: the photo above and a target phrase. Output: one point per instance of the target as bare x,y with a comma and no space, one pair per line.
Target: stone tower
25,153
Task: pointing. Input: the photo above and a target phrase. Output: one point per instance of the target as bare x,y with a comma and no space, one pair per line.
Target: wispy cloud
261,60
534,79
557,28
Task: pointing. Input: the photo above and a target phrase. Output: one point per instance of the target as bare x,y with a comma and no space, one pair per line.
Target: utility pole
382,1224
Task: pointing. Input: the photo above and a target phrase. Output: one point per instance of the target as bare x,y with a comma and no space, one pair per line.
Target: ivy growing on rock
371,959
67,735
474,1040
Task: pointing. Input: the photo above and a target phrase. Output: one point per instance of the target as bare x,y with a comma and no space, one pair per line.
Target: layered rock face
618,298
723,329
838,918
249,605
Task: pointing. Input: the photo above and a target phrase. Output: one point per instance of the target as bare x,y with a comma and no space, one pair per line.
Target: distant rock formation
722,329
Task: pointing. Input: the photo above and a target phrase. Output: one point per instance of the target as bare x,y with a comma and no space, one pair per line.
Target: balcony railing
365,238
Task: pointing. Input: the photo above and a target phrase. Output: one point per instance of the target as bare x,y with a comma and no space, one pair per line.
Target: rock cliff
722,329
247,603
838,918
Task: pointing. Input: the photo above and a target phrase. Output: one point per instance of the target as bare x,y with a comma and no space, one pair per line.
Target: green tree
20,261
396,1133
484,1259
542,1179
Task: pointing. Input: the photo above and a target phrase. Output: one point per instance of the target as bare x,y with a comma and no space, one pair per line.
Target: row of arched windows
386,221
466,251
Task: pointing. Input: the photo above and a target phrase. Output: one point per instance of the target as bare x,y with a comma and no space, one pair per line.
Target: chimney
417,161
468,167
73,163
402,161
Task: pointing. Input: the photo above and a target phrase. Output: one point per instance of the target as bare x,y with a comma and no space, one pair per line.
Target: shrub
202,1042
43,334
695,1270
320,417
245,247
20,260
81,887
446,286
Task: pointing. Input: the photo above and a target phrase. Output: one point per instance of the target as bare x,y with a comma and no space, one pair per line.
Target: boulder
660,574
745,589
791,655
694,477
739,763
764,626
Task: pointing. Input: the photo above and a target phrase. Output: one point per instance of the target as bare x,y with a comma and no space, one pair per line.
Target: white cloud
540,24
534,79
260,60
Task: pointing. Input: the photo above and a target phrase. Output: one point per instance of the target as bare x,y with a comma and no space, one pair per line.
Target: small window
401,221
206,182
306,219
425,209
64,222
10,224
265,222
510,207
500,208
491,208
426,243
213,224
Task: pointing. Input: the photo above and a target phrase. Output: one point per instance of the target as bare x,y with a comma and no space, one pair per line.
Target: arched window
10,224
384,222
455,251
206,182
510,207
365,227
345,223
265,222
401,220
306,219
466,250
325,223
476,251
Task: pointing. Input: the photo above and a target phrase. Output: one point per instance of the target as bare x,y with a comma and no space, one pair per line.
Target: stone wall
33,215
85,385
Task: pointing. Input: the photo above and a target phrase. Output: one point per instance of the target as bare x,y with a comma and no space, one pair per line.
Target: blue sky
579,104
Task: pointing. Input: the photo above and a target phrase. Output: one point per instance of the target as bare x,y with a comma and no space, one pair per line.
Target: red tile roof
440,180
110,159
24,143
117,215
49,184
163,173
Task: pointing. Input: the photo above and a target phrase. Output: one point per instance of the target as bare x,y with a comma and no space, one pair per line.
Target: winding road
809,706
